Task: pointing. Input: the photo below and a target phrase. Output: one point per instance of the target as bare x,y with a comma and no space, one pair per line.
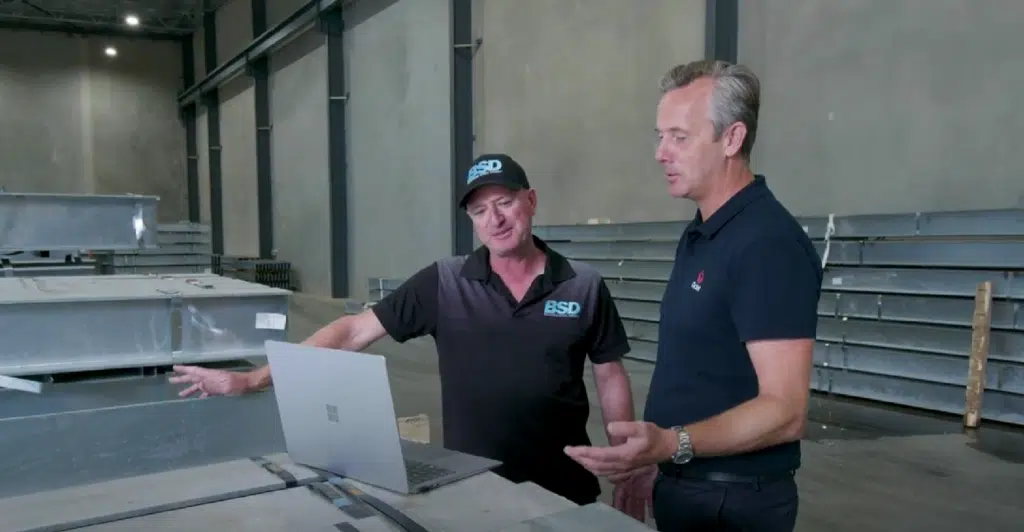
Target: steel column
188,65
721,30
211,101
463,50
260,68
333,25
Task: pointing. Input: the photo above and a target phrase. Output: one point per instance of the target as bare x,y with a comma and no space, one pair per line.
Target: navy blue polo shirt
512,386
749,272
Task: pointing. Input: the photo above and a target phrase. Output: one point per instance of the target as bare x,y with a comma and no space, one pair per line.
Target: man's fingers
190,390
182,379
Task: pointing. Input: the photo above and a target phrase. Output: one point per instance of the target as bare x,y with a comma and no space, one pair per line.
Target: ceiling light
131,20
110,51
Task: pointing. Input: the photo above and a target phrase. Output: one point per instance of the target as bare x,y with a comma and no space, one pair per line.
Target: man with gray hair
720,442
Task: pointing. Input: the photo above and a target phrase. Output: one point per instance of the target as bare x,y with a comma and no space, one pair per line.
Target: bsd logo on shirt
482,168
562,309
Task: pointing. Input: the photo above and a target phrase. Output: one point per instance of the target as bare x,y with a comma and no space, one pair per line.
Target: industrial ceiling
156,18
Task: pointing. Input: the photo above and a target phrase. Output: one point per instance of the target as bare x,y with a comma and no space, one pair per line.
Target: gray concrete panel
76,121
238,160
278,10
137,136
398,60
234,28
298,112
44,138
877,106
570,87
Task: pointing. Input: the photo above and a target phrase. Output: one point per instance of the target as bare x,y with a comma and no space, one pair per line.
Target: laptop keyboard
420,472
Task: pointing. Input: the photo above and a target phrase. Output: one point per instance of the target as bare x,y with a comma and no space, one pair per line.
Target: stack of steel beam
98,347
183,247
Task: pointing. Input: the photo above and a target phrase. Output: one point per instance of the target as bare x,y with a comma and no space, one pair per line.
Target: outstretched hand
645,444
208,381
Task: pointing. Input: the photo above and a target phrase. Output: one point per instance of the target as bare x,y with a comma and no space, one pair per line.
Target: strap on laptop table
334,485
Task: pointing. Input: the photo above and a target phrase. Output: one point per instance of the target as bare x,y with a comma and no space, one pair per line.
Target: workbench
272,493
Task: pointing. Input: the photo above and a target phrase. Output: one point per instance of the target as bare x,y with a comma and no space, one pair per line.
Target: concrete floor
865,467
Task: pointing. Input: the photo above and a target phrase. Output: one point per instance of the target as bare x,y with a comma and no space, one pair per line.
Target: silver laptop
338,416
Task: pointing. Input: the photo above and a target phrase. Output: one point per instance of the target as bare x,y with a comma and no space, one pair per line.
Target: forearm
338,334
616,400
761,422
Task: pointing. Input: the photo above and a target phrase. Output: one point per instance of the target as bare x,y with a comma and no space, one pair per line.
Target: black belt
683,472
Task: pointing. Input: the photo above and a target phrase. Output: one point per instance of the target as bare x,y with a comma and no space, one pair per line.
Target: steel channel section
81,433
721,30
104,322
1009,255
74,222
979,223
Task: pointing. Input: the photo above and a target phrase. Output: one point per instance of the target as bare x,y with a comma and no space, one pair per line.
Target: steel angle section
990,255
639,270
1002,407
622,250
962,283
624,231
71,222
948,311
636,290
1005,345
996,222
1001,375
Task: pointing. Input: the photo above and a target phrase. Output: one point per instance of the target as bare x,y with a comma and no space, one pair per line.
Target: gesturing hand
208,381
645,444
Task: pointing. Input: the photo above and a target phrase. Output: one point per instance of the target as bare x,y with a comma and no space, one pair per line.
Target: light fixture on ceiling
131,20
110,51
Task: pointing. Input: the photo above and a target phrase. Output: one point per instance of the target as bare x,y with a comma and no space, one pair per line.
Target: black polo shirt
749,272
512,385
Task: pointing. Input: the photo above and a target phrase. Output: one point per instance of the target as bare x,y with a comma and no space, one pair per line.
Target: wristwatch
684,453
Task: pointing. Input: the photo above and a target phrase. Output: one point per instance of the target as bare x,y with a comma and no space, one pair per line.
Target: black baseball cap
493,169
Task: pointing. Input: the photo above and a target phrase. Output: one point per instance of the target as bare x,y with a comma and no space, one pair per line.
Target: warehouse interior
170,169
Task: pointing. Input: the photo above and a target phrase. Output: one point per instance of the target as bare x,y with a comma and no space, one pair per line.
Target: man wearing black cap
514,323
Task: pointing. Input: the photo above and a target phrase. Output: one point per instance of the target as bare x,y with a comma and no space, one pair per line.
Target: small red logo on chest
700,281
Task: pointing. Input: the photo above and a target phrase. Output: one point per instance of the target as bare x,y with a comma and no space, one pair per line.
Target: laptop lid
337,413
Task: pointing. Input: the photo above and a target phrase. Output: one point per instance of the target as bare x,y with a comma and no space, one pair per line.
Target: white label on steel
271,320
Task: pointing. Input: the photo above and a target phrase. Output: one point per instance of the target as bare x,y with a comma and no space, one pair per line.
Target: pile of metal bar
96,350
897,305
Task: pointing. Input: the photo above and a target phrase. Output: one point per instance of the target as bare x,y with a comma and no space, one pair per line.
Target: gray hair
736,96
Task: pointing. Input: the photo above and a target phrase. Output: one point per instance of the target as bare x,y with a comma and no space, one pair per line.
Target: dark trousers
692,505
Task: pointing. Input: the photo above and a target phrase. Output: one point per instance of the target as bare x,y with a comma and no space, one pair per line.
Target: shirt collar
556,268
756,189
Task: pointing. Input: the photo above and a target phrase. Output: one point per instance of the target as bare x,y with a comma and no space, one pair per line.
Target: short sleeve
775,284
411,310
607,340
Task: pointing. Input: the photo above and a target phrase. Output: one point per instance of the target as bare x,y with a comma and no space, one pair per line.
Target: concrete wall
569,88
397,62
888,106
76,121
868,106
